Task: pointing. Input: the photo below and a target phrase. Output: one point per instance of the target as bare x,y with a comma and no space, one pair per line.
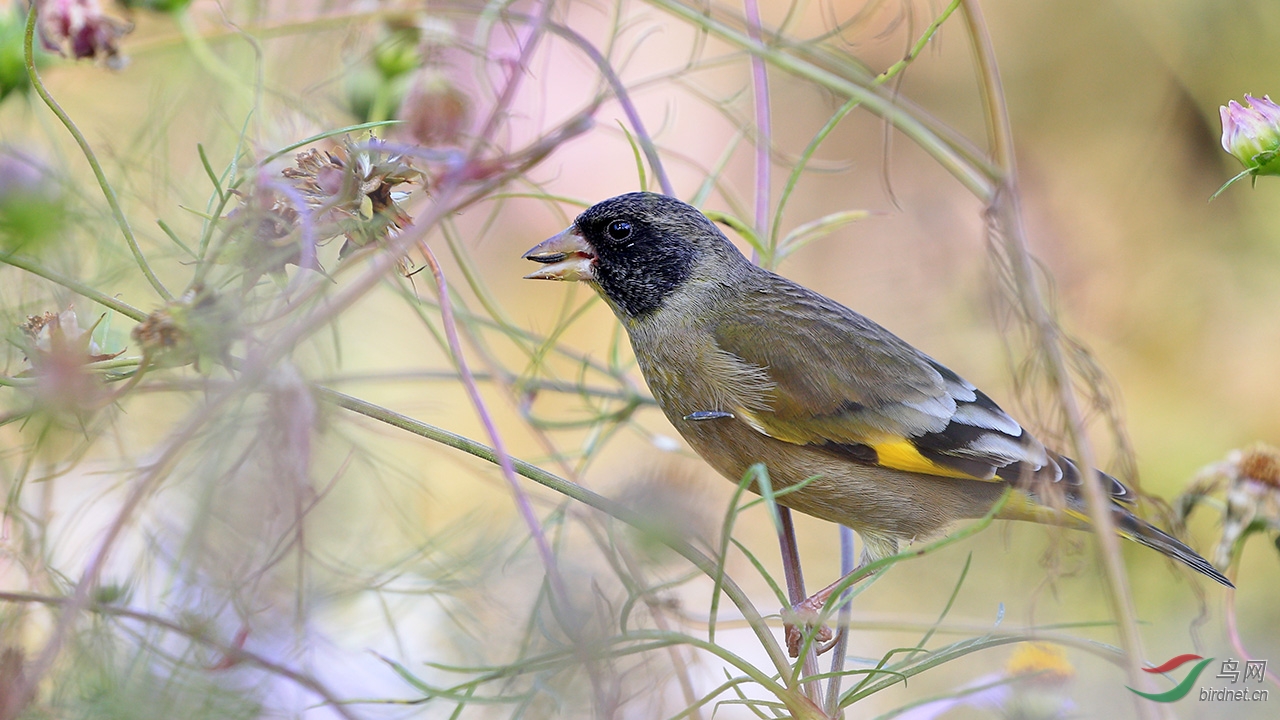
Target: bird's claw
805,612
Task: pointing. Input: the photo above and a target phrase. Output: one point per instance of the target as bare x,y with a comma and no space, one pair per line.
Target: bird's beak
566,257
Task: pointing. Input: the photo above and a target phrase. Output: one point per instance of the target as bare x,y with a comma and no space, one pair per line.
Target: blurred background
340,546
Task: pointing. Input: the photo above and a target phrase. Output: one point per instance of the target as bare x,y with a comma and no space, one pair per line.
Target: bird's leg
809,610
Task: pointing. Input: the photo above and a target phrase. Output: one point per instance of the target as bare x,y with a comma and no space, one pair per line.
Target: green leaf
739,227
816,229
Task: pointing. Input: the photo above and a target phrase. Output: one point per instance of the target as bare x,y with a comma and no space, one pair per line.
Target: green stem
574,492
975,178
76,286
121,220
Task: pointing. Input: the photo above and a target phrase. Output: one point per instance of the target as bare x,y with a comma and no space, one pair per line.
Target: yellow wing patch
897,454
902,455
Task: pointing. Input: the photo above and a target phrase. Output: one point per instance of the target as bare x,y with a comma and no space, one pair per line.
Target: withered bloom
350,191
199,325
1249,480
265,239
435,112
58,350
79,29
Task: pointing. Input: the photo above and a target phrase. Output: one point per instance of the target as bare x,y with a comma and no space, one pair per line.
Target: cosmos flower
1251,132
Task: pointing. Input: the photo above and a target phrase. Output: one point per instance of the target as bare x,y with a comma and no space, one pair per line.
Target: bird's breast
688,373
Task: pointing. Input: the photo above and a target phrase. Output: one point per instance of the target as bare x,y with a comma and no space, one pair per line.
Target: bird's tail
1132,527
1062,503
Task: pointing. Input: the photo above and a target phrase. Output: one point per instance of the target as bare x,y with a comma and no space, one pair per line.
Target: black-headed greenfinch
752,368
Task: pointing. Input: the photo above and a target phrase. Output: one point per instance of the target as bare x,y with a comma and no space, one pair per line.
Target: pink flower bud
1251,132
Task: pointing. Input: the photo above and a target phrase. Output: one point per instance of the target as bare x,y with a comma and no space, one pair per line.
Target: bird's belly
873,500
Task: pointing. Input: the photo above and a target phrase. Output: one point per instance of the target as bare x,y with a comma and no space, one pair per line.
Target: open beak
565,256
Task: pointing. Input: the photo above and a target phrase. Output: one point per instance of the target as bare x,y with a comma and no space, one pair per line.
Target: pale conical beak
566,257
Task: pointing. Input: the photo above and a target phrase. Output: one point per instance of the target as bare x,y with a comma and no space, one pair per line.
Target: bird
750,367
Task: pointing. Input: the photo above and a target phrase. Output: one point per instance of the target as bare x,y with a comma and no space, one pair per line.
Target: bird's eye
619,230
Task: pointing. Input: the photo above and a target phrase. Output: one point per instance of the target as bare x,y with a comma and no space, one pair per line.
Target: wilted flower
435,112
58,350
351,188
264,225
199,325
1250,481
55,333
347,191
79,29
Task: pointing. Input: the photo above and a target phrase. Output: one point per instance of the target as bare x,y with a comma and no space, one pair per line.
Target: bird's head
636,250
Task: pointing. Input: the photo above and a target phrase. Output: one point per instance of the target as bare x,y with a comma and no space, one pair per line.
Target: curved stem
1233,629
75,286
573,491
499,447
970,174
121,220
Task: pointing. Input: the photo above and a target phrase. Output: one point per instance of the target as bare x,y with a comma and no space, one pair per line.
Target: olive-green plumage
752,368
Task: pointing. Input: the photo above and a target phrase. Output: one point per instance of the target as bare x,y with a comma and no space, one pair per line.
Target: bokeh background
415,552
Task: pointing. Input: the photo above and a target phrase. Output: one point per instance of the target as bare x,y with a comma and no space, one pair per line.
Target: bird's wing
842,382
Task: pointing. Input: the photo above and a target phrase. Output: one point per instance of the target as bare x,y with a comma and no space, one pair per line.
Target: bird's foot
806,613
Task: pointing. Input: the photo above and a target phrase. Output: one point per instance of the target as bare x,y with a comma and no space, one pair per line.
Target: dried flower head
1260,464
1249,480
60,333
199,325
350,190
264,235
435,112
79,29
673,502
58,349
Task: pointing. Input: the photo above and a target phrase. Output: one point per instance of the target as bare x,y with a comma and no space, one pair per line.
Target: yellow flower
1048,663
